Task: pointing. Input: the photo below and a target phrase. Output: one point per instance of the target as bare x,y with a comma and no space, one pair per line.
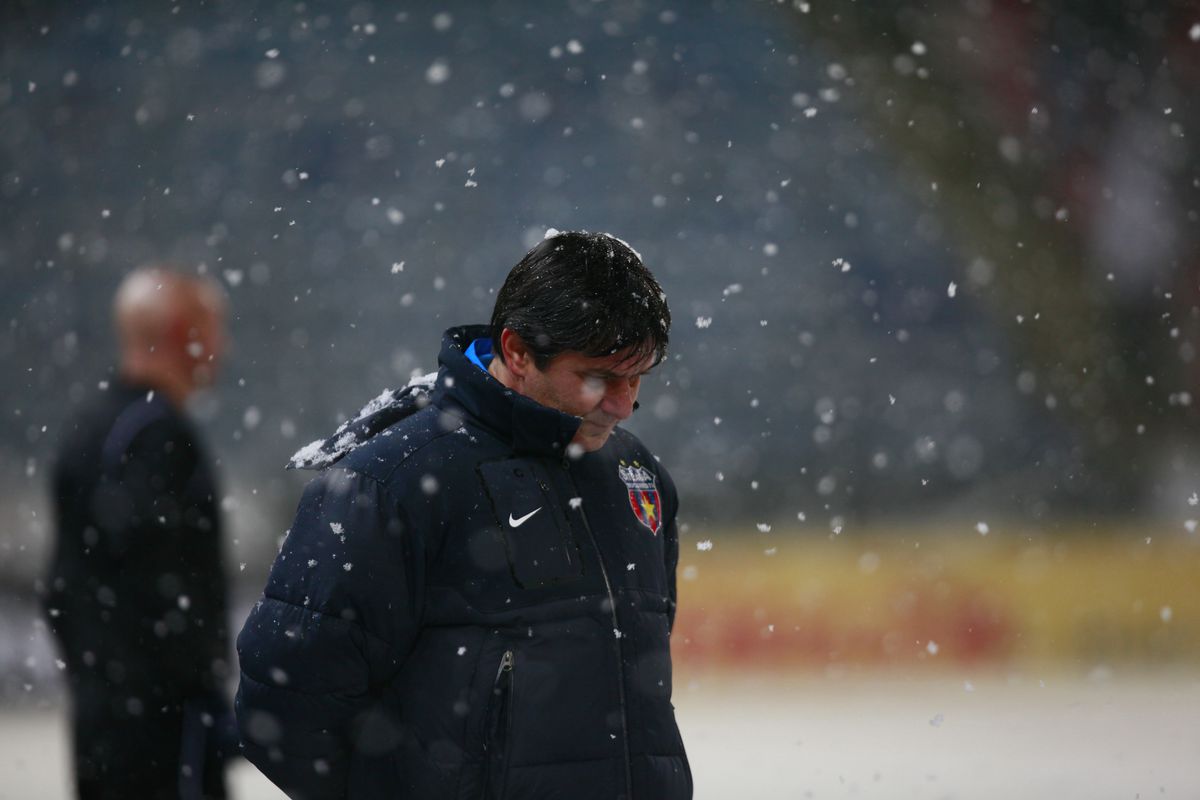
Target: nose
620,394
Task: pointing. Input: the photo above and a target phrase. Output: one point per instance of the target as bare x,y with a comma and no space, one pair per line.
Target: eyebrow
603,373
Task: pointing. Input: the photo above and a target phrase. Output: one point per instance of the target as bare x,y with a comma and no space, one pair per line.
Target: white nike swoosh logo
516,523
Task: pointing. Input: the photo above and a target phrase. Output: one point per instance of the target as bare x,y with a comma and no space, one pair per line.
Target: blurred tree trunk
1011,144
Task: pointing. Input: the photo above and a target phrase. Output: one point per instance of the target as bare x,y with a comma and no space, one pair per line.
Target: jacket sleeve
334,625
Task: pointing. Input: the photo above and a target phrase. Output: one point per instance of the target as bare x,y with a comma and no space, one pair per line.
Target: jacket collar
528,426
458,387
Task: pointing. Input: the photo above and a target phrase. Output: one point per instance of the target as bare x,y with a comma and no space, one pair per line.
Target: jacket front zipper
612,603
499,720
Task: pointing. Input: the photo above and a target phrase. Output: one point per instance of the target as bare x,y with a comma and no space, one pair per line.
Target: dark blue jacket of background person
136,597
461,610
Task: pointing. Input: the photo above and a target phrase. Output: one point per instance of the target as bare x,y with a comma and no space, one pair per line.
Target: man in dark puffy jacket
136,594
476,597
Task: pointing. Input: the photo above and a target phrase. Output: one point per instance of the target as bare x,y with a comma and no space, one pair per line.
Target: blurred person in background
476,596
136,592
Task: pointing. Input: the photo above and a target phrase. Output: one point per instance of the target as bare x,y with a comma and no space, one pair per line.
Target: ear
517,356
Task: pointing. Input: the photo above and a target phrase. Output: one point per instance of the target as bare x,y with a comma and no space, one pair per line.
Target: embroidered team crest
643,495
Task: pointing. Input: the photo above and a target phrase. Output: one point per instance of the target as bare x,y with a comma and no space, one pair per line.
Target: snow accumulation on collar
389,407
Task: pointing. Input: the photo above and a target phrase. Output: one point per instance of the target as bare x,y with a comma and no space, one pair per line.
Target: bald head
170,327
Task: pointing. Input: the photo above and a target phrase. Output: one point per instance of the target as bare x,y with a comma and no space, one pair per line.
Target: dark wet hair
583,292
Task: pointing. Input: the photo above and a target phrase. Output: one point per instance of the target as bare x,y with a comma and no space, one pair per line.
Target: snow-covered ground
976,737
956,736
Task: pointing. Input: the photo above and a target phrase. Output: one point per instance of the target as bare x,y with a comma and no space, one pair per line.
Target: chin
591,444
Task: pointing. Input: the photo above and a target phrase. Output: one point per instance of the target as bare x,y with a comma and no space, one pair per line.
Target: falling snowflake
438,72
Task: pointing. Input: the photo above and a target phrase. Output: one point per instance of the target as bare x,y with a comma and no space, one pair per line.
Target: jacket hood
458,386
391,406
527,425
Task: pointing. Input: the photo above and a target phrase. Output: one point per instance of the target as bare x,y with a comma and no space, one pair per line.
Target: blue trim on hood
479,352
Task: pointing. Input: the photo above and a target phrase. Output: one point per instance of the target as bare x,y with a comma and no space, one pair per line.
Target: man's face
599,390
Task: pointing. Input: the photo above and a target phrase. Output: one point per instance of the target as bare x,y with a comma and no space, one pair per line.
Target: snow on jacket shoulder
461,611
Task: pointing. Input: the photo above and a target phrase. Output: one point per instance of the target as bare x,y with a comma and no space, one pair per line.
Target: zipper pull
493,713
506,664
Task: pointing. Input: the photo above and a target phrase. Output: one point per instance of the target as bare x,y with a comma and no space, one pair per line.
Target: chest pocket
538,540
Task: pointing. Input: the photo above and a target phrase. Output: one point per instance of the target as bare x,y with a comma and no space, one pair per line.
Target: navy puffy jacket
461,611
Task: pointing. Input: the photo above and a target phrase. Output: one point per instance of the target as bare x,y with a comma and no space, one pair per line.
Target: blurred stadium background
931,393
